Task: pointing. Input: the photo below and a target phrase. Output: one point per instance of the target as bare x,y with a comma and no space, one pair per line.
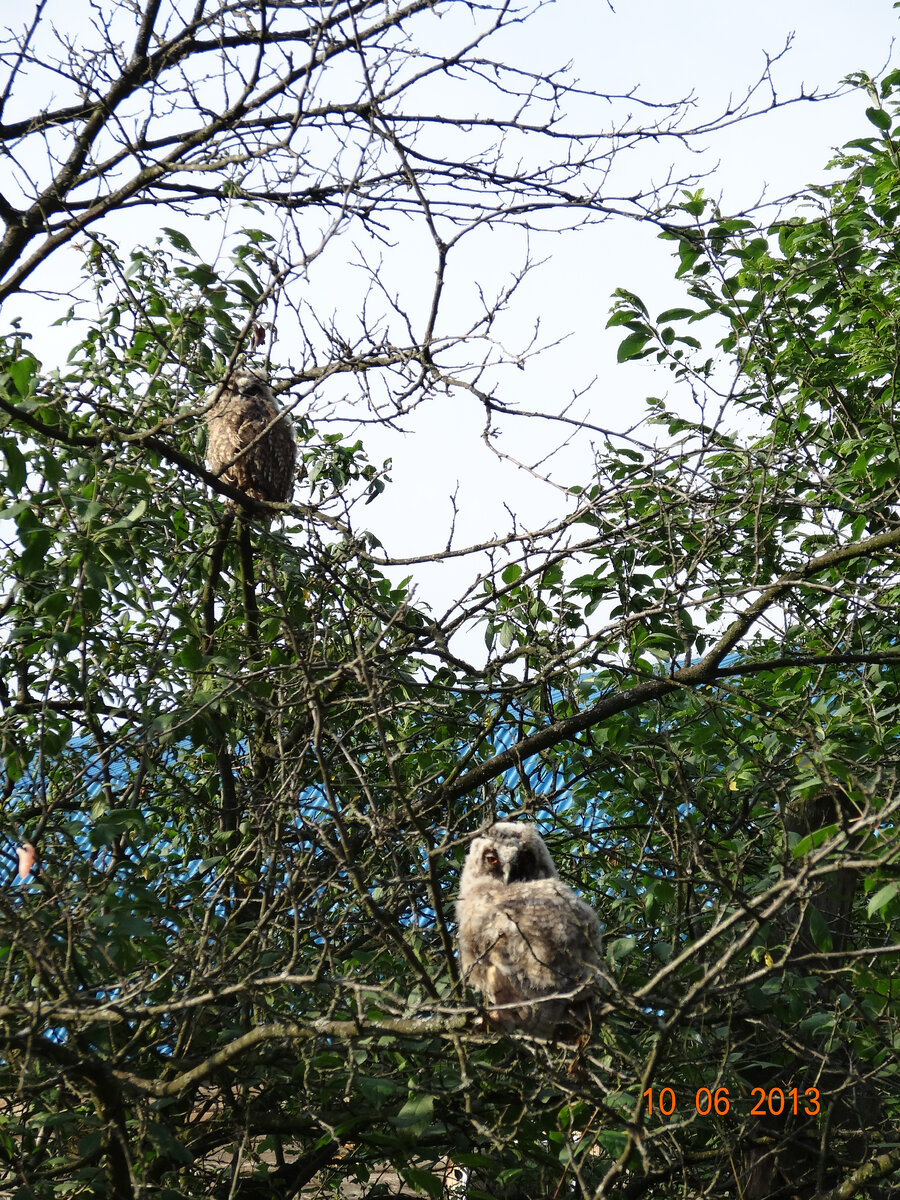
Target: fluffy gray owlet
251,440
523,934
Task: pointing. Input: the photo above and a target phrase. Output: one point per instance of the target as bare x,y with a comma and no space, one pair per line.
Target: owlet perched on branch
251,439
525,939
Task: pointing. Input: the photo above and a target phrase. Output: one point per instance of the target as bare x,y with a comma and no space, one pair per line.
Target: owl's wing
222,444
252,441
556,927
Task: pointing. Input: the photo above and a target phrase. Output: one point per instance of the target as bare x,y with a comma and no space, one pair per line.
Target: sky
715,51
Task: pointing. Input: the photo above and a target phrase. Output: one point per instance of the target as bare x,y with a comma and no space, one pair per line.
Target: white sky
707,47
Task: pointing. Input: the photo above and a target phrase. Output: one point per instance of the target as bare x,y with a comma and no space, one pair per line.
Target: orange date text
771,1102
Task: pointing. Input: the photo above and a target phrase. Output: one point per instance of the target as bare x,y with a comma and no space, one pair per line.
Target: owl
526,941
251,441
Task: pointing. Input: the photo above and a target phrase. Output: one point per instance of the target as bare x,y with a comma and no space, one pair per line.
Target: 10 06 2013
771,1102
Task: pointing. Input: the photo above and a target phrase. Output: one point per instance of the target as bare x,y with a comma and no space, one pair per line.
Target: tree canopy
250,761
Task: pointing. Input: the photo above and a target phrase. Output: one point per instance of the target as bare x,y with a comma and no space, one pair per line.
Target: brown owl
251,440
525,939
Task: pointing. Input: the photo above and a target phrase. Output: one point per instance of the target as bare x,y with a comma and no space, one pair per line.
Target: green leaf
621,947
377,1091
818,1023
16,467
14,510
179,240
130,518
879,118
613,1143
632,300
126,925
416,1115
882,898
191,657
818,927
22,372
633,346
813,840
676,314
424,1181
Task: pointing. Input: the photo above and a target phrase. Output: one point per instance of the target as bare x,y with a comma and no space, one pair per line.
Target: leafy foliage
689,680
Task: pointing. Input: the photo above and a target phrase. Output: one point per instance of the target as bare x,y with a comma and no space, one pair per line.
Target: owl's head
507,853
248,382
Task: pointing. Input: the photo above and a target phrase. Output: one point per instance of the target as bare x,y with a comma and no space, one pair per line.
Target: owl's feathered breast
251,442
537,932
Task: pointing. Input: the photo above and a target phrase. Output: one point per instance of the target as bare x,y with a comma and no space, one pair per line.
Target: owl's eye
491,859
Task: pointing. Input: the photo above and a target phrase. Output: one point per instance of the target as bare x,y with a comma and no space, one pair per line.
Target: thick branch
706,671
